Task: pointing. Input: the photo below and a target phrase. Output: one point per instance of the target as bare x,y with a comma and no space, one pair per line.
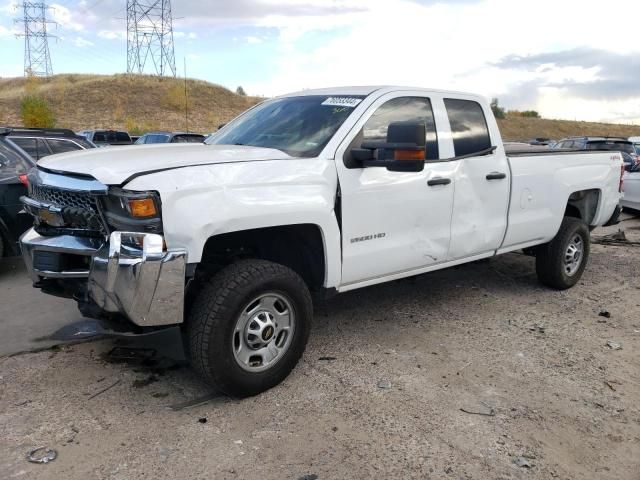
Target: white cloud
449,46
253,40
189,35
65,18
82,42
5,32
112,34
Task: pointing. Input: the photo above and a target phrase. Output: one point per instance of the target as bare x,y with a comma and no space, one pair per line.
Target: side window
157,139
403,109
11,164
35,147
99,137
61,146
468,126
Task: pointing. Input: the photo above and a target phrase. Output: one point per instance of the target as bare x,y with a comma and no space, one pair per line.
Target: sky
566,59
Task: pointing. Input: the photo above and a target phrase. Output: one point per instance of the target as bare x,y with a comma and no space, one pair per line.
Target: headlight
133,211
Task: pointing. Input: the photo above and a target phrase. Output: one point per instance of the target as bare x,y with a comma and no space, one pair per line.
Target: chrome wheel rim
573,255
263,332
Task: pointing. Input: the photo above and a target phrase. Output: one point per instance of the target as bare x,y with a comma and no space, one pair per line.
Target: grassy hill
136,103
141,103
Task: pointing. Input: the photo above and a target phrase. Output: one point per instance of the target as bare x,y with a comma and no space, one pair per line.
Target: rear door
481,198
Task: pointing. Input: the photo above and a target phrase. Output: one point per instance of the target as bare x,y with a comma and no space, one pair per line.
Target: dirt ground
476,372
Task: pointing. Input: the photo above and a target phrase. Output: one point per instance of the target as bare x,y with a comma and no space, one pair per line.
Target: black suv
14,165
40,142
170,137
617,144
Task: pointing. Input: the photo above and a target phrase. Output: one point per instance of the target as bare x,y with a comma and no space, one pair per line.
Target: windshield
617,146
298,126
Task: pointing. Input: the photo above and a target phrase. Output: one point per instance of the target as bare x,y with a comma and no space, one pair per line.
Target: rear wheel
249,326
561,262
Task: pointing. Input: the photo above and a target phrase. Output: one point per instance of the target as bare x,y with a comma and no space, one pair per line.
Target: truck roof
368,90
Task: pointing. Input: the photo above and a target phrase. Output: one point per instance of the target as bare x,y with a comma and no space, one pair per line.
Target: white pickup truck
319,191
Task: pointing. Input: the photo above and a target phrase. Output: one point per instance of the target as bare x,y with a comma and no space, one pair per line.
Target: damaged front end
81,247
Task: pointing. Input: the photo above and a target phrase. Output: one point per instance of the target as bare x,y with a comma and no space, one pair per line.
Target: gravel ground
473,372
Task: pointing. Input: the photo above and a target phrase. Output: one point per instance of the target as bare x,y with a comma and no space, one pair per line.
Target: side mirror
404,150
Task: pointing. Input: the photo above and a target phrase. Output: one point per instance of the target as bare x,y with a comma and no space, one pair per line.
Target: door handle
496,176
438,181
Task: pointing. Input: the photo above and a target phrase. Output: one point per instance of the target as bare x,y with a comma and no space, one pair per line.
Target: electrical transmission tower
150,37
37,61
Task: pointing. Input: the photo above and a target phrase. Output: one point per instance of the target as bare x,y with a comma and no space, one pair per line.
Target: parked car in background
170,137
104,138
41,142
14,221
631,180
636,143
540,141
134,138
617,144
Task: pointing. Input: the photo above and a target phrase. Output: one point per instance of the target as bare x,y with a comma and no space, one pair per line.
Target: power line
37,61
150,37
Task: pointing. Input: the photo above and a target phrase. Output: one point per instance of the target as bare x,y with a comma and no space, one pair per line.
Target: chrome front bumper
131,274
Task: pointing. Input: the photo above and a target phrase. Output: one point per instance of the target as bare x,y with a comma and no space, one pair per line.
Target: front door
393,222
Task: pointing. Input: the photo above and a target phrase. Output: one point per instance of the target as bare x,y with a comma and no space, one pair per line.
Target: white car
320,191
631,198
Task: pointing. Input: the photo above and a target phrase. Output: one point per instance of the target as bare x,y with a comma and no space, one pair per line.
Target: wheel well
583,204
299,247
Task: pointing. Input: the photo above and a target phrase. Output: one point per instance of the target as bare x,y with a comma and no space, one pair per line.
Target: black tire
212,319
550,258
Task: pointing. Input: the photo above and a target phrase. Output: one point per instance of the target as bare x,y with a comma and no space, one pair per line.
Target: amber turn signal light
408,155
144,207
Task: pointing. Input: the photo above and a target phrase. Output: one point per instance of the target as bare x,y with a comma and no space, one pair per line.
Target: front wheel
249,326
560,263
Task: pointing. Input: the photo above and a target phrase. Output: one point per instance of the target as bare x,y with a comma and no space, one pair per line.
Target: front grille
64,198
80,210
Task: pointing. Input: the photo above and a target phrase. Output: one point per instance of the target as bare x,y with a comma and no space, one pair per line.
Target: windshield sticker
348,102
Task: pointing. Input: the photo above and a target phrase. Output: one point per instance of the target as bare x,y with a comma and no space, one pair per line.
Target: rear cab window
469,128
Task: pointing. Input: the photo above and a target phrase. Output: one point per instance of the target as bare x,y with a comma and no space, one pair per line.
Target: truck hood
113,166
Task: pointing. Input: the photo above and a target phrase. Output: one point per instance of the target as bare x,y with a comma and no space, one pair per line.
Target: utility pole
150,37
37,61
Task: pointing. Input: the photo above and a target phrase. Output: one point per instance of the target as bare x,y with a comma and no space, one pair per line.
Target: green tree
240,91
36,112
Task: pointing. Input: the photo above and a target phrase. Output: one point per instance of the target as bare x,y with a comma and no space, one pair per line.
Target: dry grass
520,128
140,103
136,103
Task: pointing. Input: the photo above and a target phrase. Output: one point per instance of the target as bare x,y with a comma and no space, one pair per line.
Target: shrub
498,112
36,112
240,91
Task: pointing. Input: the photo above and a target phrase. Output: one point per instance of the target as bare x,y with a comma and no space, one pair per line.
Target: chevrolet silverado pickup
314,192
